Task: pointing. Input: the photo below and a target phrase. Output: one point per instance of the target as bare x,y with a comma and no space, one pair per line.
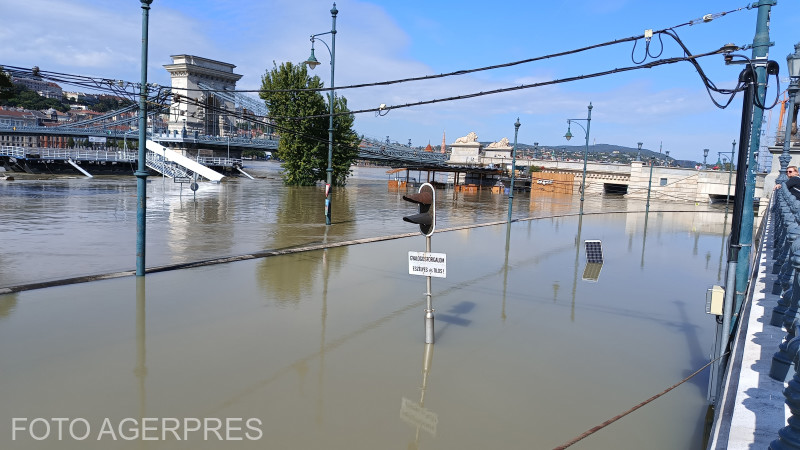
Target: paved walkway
753,407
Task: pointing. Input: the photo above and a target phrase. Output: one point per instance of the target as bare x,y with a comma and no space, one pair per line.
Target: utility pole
761,46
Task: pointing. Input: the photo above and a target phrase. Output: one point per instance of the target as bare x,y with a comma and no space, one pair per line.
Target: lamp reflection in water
140,371
505,270
575,274
415,414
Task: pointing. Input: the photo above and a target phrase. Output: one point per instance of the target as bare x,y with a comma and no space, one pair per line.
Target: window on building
663,182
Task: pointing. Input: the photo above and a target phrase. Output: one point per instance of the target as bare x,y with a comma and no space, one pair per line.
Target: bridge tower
198,79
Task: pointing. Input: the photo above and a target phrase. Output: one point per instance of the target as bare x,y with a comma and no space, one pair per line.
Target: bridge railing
785,248
81,154
265,142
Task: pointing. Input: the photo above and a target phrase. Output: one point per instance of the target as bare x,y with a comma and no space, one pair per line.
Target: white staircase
173,164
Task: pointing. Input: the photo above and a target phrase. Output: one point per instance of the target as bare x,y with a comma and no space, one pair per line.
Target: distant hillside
597,152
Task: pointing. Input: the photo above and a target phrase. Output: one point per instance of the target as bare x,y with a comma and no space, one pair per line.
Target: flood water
325,349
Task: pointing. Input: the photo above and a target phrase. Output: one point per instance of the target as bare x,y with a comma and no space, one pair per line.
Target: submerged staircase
175,165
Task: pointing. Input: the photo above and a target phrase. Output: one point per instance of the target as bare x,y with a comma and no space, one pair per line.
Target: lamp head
569,133
793,63
639,144
705,152
311,62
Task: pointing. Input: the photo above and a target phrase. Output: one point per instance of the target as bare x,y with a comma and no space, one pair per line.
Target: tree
6,87
303,146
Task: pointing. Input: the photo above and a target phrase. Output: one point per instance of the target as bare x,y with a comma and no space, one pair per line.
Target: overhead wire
706,18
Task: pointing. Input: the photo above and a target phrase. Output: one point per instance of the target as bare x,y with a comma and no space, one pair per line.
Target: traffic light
426,199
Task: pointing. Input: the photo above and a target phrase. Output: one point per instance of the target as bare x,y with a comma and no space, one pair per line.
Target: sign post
427,264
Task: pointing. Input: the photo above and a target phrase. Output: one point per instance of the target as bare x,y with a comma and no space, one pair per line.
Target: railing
375,150
269,142
223,162
166,167
786,252
81,154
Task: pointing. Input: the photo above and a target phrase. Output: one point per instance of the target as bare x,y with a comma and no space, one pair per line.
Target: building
44,88
17,118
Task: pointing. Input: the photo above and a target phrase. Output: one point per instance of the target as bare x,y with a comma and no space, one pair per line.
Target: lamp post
730,175
535,150
312,63
588,120
666,159
793,64
649,183
513,168
639,153
705,156
141,172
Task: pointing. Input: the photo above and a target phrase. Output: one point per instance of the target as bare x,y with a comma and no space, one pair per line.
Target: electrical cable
608,422
520,87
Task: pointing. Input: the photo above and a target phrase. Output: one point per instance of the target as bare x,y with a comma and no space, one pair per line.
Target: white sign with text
427,264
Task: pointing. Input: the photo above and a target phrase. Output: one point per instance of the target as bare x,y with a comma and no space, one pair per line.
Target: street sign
427,264
181,179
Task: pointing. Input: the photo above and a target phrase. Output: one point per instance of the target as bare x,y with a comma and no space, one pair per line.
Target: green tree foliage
6,88
303,146
110,103
25,98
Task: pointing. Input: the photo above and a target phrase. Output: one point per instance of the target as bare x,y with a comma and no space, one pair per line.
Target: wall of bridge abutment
665,184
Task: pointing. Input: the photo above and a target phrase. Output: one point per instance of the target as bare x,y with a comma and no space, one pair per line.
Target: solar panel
594,251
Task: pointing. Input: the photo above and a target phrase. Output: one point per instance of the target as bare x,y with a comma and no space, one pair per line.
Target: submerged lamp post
513,168
141,172
793,64
649,185
588,120
312,62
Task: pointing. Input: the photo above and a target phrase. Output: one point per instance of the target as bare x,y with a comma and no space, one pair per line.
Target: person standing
793,183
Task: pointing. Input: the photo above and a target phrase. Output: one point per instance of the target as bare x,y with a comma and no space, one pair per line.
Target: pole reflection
505,271
575,274
415,414
140,371
8,303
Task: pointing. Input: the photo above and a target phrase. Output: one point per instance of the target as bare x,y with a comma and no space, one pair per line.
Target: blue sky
385,39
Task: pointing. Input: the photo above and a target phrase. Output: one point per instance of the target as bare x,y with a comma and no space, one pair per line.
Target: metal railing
785,249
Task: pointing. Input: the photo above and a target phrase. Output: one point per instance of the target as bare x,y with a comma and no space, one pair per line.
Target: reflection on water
59,228
319,346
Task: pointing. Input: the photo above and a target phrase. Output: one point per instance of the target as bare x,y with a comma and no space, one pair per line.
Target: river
325,349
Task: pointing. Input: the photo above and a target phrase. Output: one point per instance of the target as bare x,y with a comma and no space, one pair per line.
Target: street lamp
535,150
793,64
666,158
639,154
141,172
730,173
705,155
588,120
649,184
513,168
312,62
